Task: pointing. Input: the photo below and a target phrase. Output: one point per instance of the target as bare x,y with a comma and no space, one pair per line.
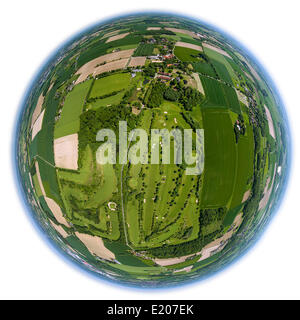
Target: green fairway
69,121
110,84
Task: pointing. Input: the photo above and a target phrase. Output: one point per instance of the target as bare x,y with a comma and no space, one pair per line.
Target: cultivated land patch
199,83
117,37
69,121
220,159
95,246
56,210
268,190
183,31
59,229
137,61
37,169
110,34
242,98
89,68
37,109
153,28
37,125
270,123
217,49
110,66
188,45
66,152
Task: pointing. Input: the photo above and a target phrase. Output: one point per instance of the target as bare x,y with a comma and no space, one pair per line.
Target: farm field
69,122
144,49
220,159
186,54
204,68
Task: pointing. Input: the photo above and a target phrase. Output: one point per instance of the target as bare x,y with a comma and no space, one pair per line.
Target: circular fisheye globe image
152,150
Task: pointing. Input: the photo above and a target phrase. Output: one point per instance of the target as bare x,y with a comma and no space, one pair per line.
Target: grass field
213,92
85,195
69,121
114,99
186,54
204,68
222,71
144,49
107,85
219,94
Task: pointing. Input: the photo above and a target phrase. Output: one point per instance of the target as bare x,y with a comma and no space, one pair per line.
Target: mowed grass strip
69,121
220,158
110,84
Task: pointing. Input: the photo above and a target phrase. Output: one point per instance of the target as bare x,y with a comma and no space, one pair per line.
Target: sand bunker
95,246
37,109
137,61
117,37
56,210
90,66
219,50
270,122
59,229
188,45
66,152
114,65
189,33
37,125
199,83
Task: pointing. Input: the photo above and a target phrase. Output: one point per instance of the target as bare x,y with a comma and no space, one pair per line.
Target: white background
30,31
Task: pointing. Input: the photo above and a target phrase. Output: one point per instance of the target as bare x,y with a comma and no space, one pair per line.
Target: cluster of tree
113,93
150,70
154,32
187,96
94,120
190,97
209,216
171,95
154,96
